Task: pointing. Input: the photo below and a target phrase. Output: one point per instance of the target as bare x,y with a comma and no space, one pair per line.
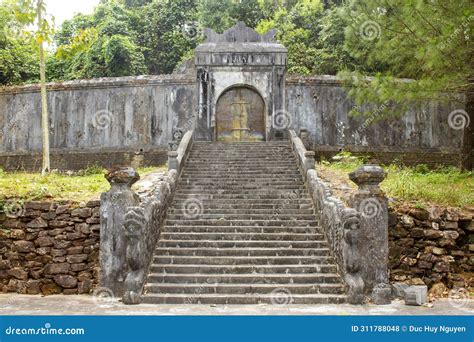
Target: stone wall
103,120
112,120
423,135
431,246
50,248
53,247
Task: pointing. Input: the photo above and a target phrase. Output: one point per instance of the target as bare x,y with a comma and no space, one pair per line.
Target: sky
65,9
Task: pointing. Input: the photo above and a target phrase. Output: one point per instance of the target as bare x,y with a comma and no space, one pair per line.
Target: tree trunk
44,100
468,139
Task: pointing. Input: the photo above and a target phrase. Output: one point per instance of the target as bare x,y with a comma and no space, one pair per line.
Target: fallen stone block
398,290
416,295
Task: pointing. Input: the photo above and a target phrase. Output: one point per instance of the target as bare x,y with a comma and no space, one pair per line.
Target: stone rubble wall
430,246
53,247
50,248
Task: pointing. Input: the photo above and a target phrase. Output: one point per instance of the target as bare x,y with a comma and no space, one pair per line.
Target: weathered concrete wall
132,114
132,119
422,135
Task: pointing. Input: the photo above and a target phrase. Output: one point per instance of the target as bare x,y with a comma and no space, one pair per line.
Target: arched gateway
240,115
240,74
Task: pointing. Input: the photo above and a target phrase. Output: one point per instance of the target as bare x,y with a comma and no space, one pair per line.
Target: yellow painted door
240,116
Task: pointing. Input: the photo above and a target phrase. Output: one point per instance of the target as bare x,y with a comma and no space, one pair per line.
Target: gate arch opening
240,115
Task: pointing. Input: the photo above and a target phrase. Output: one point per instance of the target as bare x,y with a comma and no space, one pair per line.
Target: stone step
284,194
257,166
197,289
249,174
243,260
240,244
254,163
270,157
269,172
255,223
242,269
241,229
247,195
282,203
254,234
239,155
232,183
244,147
225,178
245,251
204,215
243,151
255,278
239,143
241,236
292,190
213,161
281,210
226,299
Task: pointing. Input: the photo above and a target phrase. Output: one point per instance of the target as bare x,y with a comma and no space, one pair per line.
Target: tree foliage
18,48
429,42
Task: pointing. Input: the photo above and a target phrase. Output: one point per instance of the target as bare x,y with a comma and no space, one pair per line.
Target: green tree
167,30
19,52
297,29
32,13
215,14
429,42
101,45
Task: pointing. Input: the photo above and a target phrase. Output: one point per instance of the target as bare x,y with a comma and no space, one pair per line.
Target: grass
447,186
81,186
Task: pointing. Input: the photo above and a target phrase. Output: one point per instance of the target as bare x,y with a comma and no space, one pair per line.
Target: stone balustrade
358,234
176,159
130,224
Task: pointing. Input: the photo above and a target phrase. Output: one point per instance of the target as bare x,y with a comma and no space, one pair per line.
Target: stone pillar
371,203
113,248
309,160
173,160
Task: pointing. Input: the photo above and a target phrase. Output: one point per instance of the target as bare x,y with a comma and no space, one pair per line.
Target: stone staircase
242,230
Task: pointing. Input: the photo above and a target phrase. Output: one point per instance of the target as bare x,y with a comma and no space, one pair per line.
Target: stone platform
12,304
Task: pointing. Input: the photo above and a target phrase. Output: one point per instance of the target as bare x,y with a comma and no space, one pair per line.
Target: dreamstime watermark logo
281,296
193,208
20,290
370,207
191,30
47,329
14,209
103,297
458,119
370,119
102,119
456,32
459,298
370,30
200,290
281,120
288,198
12,127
